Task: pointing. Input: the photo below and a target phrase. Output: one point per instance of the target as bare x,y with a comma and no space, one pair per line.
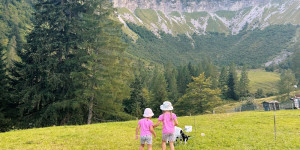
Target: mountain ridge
258,14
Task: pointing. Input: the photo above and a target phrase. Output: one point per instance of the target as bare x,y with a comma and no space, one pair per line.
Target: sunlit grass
264,80
246,130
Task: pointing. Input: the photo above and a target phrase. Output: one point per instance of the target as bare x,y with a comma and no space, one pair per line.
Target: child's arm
157,124
176,122
137,132
152,131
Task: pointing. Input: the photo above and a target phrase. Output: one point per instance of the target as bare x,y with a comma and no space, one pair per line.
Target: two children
169,121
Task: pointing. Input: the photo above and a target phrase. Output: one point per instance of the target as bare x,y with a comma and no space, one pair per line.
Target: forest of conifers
68,62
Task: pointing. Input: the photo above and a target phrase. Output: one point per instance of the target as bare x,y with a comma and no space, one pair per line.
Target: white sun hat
166,106
148,113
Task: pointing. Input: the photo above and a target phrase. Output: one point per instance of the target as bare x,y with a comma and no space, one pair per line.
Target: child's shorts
168,137
146,138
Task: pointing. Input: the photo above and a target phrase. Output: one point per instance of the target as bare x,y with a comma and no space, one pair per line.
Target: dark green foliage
248,47
4,96
183,79
158,91
136,104
243,87
270,68
102,83
223,80
16,20
199,98
71,62
296,64
286,83
232,83
259,93
44,84
171,74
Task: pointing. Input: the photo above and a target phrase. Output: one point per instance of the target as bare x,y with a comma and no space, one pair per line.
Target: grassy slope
264,80
246,130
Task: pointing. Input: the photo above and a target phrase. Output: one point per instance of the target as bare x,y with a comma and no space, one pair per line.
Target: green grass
227,14
147,15
246,130
264,80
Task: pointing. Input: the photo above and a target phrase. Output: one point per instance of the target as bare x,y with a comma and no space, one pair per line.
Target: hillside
246,130
191,23
248,47
260,79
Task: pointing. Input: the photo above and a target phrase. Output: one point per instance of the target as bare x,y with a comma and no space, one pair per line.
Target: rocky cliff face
201,16
168,6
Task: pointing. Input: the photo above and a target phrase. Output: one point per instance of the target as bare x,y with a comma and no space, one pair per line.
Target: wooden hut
271,105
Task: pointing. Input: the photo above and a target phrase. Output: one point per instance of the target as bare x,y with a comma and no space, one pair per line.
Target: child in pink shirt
146,126
169,121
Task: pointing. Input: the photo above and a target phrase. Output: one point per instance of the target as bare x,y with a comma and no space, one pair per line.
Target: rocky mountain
202,16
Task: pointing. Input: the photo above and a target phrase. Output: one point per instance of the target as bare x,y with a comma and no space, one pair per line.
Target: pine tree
104,74
200,97
4,96
71,63
244,83
137,101
159,93
173,92
296,64
43,77
192,70
232,83
223,80
170,74
183,79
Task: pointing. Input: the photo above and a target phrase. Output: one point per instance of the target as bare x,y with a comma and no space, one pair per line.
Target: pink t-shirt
168,124
145,126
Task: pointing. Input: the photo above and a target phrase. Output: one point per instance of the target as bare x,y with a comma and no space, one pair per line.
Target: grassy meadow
245,130
264,80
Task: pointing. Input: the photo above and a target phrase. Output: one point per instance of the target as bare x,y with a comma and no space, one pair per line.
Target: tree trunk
90,110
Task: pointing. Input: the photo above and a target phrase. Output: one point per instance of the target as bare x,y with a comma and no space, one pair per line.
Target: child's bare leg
171,145
142,146
149,146
163,145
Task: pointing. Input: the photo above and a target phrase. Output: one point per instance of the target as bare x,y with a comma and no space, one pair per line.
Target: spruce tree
199,98
223,80
170,74
159,93
192,70
44,84
183,79
244,83
102,82
71,63
137,101
296,64
4,96
232,83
